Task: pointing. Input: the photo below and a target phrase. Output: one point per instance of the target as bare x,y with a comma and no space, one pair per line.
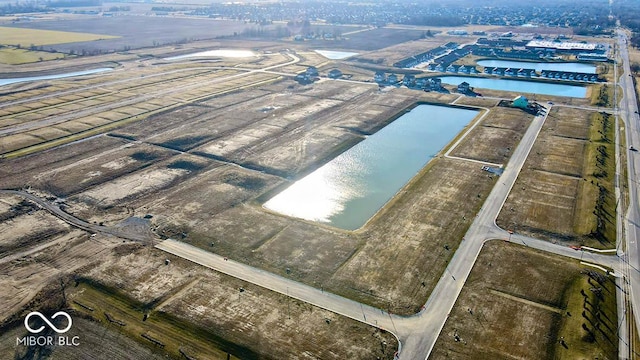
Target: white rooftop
562,45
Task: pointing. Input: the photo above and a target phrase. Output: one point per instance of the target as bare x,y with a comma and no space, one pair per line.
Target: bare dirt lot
566,183
521,303
36,249
191,309
121,277
496,137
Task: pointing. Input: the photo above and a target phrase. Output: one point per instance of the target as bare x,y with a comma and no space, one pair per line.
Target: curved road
74,221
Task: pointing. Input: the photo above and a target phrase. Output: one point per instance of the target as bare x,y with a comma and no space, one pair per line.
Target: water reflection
352,187
518,86
51,77
216,53
539,66
335,55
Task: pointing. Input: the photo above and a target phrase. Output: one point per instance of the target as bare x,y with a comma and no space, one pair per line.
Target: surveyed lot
200,313
203,169
522,303
28,37
565,191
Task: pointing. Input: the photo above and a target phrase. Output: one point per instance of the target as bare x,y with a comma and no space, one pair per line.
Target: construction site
133,199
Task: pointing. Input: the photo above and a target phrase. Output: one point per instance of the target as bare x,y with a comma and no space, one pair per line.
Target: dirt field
206,315
570,164
376,38
96,342
241,150
125,102
170,294
521,303
496,137
151,31
37,248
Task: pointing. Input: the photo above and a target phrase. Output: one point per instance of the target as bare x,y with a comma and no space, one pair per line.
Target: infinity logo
36,313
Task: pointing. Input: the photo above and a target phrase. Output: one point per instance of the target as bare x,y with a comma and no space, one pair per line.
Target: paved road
420,343
628,111
74,221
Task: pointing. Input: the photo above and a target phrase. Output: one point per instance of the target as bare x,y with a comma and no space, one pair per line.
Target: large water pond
216,53
50,77
539,66
352,187
518,86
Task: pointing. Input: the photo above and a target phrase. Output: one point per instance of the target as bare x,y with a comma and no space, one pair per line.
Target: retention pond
539,66
519,86
352,187
51,77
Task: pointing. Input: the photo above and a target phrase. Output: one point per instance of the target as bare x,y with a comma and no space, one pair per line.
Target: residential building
463,88
521,102
335,74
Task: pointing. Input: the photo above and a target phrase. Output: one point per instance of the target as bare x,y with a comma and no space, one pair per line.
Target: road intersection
630,257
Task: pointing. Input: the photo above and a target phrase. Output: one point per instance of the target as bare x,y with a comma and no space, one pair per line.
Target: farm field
151,31
28,37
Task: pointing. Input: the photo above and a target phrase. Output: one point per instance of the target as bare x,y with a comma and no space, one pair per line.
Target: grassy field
28,37
526,304
602,95
118,312
13,56
600,170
